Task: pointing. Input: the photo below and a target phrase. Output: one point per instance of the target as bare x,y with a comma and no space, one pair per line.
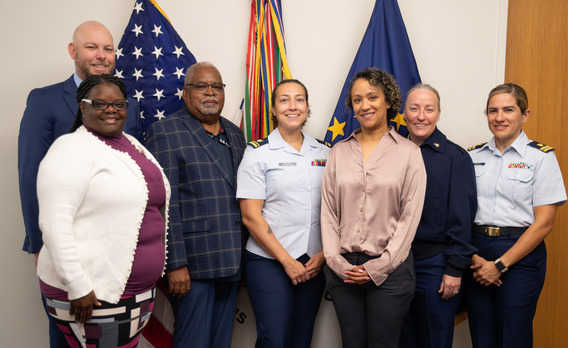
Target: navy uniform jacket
205,220
449,206
50,113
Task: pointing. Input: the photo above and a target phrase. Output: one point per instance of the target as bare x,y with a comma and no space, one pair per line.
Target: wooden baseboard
460,317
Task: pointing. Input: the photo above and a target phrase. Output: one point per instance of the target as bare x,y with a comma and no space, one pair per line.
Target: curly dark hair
86,86
384,81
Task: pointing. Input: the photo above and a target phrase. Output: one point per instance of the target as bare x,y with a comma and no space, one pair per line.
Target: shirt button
308,189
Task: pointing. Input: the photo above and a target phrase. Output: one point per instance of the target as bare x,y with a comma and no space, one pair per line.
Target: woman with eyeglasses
103,202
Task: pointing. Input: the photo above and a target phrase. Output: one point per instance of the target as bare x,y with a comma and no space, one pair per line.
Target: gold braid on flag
160,9
280,37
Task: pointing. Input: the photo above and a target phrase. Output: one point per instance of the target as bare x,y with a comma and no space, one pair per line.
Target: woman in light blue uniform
519,187
279,188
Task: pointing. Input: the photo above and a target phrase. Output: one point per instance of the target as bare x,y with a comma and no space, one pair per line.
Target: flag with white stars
151,60
385,45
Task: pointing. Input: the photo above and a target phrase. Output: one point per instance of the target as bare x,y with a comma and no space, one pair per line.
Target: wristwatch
501,266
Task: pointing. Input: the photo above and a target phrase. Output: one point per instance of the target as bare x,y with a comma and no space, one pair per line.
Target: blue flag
151,60
384,46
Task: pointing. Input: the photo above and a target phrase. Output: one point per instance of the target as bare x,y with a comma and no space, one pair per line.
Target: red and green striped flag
266,66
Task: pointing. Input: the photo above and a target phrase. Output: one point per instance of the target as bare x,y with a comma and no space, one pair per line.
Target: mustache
209,100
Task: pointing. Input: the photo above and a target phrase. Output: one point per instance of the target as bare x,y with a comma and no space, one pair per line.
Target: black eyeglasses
202,87
103,105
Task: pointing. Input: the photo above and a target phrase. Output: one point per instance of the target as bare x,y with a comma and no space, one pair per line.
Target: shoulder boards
475,146
540,146
258,143
324,143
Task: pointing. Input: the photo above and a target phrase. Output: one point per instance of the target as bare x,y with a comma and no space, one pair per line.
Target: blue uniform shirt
449,205
511,184
290,184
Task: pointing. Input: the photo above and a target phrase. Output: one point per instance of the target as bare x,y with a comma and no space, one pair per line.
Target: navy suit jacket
205,222
50,113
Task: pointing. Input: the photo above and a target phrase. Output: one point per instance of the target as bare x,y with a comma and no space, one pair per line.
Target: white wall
459,48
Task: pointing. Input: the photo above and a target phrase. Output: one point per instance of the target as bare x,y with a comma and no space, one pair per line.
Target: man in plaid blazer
200,152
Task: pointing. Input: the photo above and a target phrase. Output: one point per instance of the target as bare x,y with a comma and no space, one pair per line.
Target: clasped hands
300,273
357,275
485,272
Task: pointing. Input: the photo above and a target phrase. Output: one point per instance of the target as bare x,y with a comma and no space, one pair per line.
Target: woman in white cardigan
103,202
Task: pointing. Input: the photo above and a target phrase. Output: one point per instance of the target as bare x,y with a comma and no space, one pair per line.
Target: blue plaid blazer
205,220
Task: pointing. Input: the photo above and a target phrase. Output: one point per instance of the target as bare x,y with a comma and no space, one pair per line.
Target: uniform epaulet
258,143
475,146
324,143
541,147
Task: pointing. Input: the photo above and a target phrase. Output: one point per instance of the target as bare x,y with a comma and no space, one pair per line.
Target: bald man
50,112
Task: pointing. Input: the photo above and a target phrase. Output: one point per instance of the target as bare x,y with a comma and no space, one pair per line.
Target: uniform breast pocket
521,181
480,170
281,175
480,178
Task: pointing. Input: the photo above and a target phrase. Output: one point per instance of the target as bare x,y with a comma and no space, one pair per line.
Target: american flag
151,60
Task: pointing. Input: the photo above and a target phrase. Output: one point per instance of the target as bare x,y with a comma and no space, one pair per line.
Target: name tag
287,164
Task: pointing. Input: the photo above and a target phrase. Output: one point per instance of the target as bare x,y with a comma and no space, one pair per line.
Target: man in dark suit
50,112
200,152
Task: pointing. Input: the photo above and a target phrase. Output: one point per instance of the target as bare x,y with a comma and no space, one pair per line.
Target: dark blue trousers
284,313
371,316
56,337
204,317
502,316
429,322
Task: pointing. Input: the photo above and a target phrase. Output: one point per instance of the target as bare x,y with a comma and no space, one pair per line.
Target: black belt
493,231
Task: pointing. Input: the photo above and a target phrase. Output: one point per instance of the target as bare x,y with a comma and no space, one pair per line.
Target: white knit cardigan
92,199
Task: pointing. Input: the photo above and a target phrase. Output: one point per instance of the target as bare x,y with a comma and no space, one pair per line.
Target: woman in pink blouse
372,195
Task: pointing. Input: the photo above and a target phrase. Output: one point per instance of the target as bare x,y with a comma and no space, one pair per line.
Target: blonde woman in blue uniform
519,187
279,189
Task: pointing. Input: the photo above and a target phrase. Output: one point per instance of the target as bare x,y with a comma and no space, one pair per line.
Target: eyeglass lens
218,88
103,105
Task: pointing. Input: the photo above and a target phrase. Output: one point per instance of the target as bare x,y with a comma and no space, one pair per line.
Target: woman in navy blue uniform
279,189
442,246
519,187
